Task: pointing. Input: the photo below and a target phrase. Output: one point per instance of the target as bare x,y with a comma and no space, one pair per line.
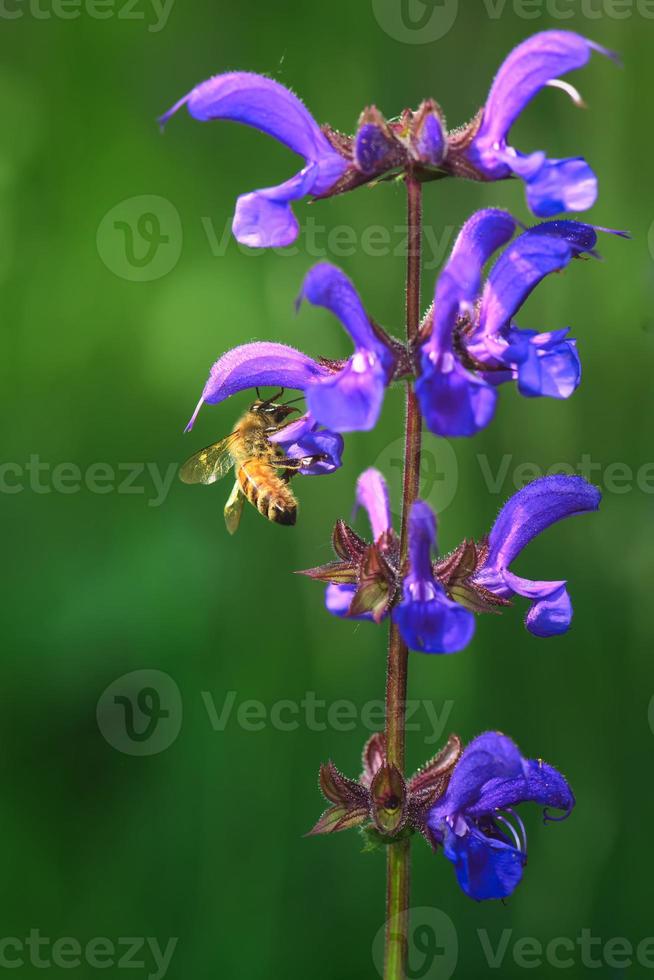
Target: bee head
273,412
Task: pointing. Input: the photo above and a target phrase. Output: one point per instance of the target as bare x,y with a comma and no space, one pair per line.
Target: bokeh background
109,331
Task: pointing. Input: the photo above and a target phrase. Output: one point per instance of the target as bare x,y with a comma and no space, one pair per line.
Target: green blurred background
104,361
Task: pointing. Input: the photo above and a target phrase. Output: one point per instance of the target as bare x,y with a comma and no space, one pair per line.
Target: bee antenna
295,400
258,393
273,398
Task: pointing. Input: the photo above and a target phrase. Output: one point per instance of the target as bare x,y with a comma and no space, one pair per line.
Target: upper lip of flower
264,218
490,779
552,186
343,396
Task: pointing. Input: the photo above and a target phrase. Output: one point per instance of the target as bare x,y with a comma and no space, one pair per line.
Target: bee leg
297,464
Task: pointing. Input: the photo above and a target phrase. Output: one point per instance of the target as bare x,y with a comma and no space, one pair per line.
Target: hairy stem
399,854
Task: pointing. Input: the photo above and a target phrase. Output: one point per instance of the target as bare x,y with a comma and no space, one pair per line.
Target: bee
256,461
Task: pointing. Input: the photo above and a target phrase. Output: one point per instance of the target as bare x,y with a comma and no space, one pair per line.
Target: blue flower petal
545,364
351,399
490,756
372,495
428,620
560,185
338,599
537,783
304,438
436,625
539,60
486,868
533,509
526,262
453,401
326,285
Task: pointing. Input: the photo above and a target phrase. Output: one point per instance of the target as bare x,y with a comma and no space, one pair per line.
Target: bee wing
210,464
234,509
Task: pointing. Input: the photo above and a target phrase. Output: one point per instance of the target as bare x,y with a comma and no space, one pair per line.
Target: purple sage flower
433,601
415,140
429,621
264,218
552,186
343,396
526,515
306,439
475,820
473,344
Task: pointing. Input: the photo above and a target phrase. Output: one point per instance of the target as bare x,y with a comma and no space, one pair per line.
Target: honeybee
256,461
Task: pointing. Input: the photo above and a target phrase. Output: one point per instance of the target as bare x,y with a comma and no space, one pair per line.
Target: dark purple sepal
427,137
346,543
373,757
377,585
337,818
391,807
335,572
376,148
456,573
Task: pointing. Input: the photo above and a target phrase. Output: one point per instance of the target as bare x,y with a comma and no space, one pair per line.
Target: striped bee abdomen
267,491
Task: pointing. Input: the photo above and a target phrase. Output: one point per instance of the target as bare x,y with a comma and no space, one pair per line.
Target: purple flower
475,821
429,622
340,596
552,185
433,602
305,439
526,515
264,218
474,345
343,397
351,399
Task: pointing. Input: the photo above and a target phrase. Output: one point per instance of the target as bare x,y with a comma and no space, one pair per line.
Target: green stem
399,854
